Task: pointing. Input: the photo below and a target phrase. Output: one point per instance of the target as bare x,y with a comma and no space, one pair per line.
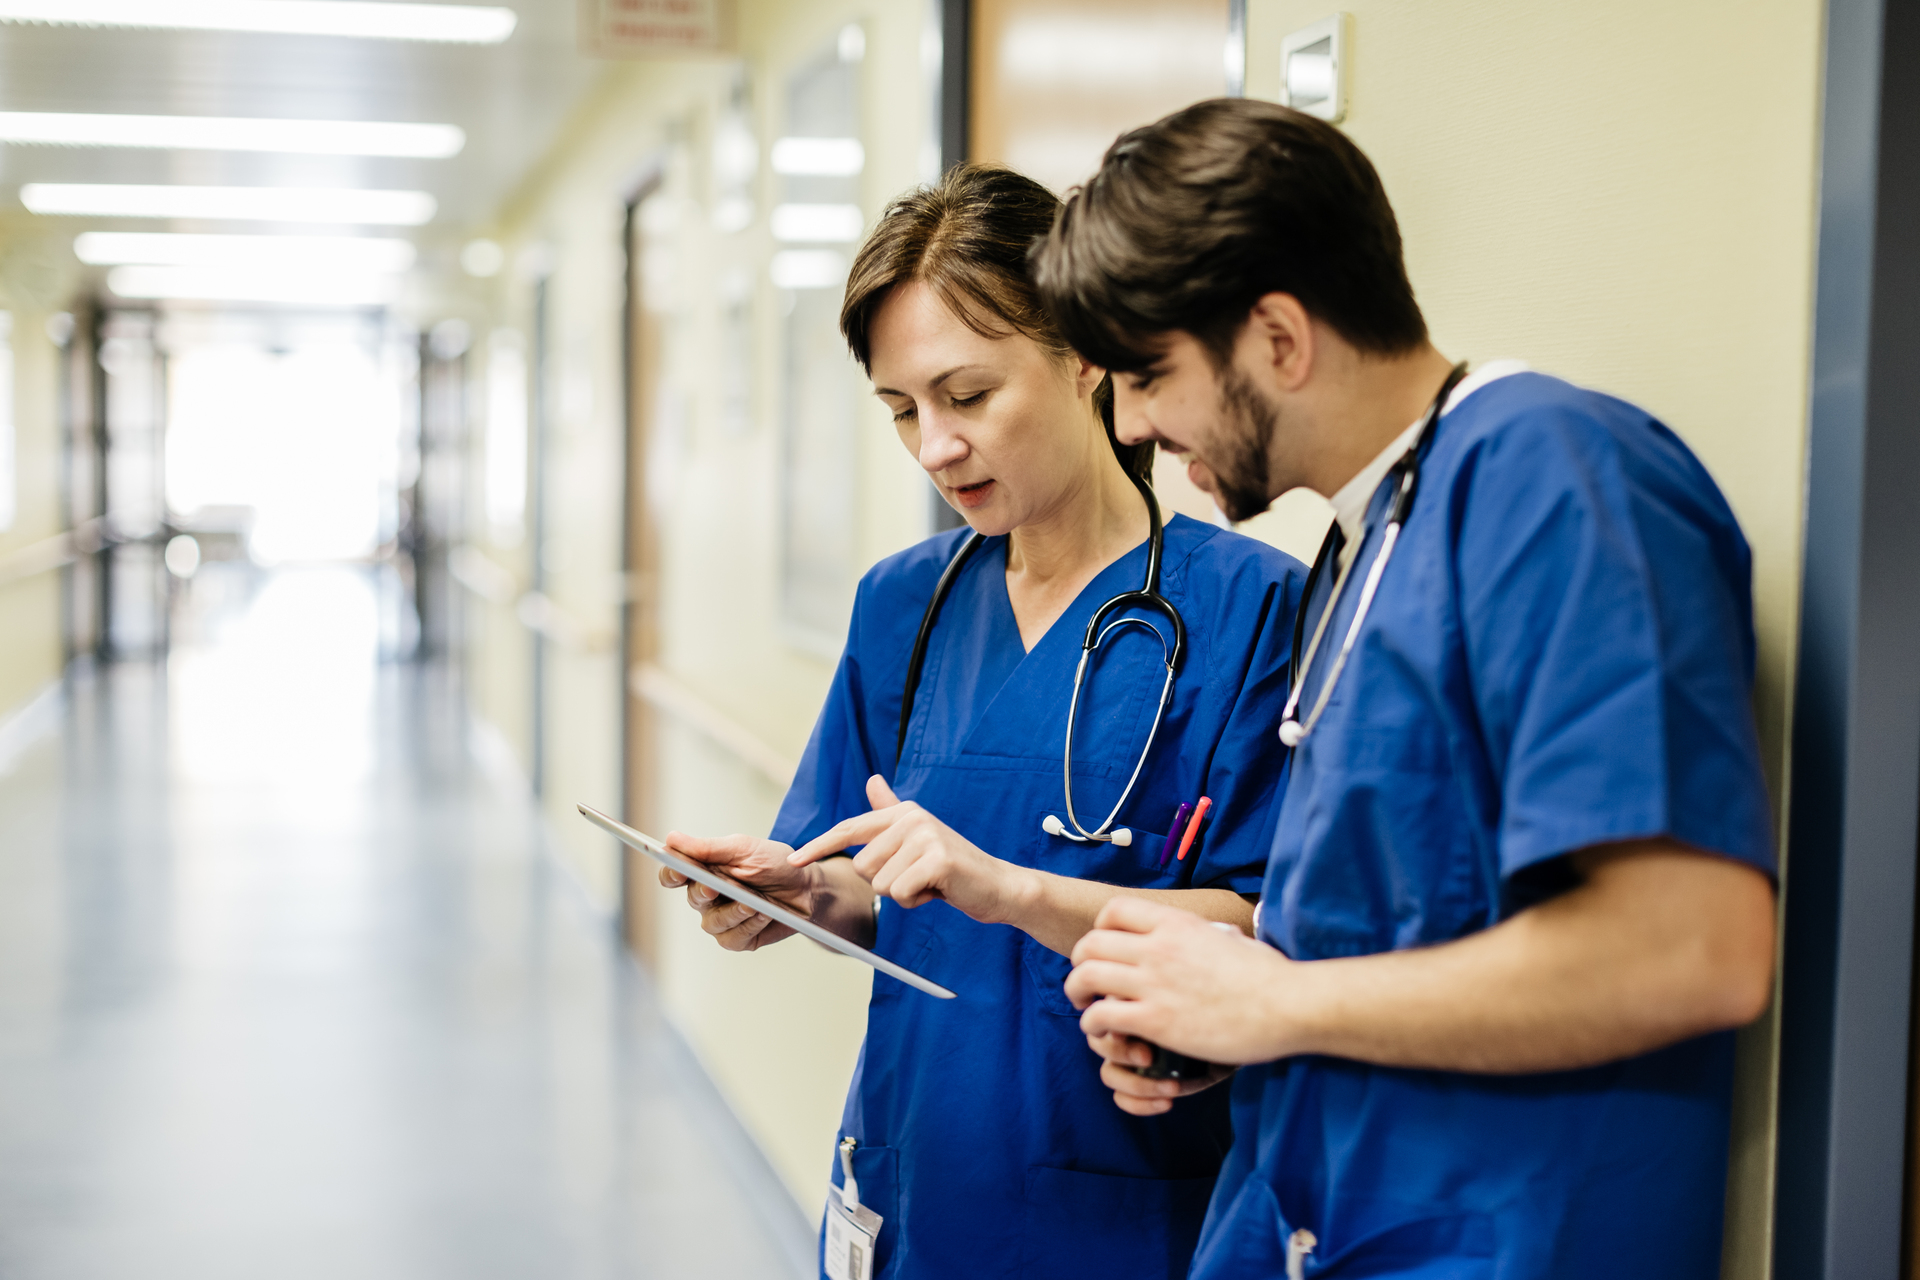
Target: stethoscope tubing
1292,730
1166,695
1148,597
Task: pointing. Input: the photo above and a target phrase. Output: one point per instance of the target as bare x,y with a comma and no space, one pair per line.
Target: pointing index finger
840,836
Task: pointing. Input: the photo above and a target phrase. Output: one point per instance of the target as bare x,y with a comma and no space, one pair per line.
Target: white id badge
850,1236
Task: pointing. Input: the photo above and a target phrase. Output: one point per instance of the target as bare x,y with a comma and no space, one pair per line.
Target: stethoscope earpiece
1291,732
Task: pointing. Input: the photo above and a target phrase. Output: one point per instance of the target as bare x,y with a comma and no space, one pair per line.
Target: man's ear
1278,338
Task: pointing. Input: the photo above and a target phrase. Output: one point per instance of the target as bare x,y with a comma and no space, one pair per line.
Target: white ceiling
510,98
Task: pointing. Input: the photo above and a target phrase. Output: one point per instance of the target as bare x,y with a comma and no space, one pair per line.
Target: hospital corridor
295,987
421,421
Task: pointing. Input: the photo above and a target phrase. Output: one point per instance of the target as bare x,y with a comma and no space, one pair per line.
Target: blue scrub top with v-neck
1560,655
985,1138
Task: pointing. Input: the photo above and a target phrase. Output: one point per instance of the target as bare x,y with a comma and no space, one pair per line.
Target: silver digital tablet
701,873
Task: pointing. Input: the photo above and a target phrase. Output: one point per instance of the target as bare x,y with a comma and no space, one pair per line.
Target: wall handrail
537,611
649,682
49,554
662,690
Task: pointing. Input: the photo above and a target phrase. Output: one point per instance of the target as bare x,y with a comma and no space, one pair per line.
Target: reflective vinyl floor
290,988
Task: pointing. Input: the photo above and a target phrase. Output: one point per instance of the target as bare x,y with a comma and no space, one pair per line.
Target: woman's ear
1087,376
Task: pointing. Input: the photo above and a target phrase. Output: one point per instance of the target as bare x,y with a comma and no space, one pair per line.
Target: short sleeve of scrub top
1623,657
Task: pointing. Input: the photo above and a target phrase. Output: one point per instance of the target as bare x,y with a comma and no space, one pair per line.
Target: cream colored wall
779,1031
30,646
1623,195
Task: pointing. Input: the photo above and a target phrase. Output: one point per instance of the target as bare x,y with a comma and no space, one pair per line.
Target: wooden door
1053,82
639,613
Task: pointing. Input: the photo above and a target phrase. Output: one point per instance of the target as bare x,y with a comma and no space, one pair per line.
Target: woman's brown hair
967,237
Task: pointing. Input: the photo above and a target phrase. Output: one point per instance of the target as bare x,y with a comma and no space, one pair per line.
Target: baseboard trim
768,1200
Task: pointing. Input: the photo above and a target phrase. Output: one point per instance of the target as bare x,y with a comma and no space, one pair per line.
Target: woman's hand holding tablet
821,905
761,864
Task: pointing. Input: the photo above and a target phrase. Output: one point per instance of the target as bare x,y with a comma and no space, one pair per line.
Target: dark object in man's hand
1168,1065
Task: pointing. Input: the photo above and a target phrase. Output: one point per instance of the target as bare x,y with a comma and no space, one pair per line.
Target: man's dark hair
1193,219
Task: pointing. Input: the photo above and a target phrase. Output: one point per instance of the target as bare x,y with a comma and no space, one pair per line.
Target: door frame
639,570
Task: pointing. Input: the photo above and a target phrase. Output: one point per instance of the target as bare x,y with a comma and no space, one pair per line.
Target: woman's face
1007,431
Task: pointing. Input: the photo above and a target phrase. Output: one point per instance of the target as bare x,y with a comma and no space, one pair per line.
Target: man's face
1215,418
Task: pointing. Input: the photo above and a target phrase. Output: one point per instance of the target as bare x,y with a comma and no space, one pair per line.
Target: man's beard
1247,423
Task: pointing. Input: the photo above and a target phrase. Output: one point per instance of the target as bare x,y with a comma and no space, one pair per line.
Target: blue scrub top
1560,655
986,1139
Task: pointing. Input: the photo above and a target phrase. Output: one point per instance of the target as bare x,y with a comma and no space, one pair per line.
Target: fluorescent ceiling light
457,23
807,269
219,133
829,223
249,204
312,253
818,157
295,288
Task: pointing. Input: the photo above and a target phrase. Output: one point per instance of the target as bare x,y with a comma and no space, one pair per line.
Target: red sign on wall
650,28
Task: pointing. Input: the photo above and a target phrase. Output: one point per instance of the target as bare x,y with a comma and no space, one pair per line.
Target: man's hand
1658,943
1133,1092
761,864
1162,974
913,858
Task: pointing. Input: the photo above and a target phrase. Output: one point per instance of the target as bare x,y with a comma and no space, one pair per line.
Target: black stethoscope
1292,731
1148,597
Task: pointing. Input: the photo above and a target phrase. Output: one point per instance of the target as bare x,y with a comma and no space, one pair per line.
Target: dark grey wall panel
1855,780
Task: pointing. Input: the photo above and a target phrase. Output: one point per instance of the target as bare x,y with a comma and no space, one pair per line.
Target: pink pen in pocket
1193,827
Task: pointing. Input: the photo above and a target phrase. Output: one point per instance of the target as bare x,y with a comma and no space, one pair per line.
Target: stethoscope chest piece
1122,836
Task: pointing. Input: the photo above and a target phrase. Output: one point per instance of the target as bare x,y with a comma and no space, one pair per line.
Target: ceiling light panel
818,157
831,223
218,133
296,288
243,204
452,23
363,254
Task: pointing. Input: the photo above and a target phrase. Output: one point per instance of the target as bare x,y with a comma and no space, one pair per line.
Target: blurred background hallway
291,985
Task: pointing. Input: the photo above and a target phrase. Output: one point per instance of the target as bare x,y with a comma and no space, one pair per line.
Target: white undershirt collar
1351,502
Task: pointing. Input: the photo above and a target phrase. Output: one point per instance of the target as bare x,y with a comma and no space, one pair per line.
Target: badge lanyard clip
850,1190
1299,1245
852,1229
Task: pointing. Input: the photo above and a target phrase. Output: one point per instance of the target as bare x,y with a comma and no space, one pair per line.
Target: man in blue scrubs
1521,884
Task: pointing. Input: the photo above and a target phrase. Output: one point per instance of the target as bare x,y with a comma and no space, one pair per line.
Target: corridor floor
290,990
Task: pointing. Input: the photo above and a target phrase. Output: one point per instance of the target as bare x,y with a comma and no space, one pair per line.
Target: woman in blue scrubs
978,1128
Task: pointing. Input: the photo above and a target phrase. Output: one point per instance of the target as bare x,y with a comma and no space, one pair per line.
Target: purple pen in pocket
1173,835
